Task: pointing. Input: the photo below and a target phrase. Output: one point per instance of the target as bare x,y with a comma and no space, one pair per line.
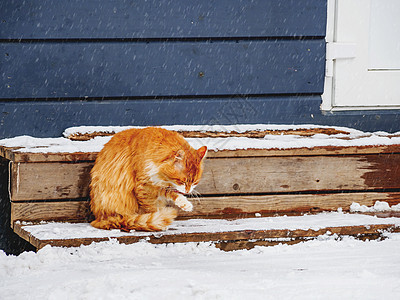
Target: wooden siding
46,19
153,63
162,69
64,66
50,117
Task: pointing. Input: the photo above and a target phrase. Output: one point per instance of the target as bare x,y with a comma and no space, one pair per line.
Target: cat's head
180,171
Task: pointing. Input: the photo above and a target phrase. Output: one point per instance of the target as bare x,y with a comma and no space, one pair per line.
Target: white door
363,55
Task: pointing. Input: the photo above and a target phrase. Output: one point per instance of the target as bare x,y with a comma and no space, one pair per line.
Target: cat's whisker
196,195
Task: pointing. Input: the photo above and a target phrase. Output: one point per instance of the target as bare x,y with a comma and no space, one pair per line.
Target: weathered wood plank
313,151
358,232
293,174
50,211
15,156
229,236
60,70
48,19
37,181
278,204
230,206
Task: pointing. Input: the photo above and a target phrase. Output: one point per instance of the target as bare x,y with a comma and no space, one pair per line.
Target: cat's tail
156,221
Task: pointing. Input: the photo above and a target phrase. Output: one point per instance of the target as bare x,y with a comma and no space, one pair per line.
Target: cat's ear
202,152
179,155
178,159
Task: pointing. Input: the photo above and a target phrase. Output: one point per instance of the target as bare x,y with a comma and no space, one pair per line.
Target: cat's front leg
179,199
183,203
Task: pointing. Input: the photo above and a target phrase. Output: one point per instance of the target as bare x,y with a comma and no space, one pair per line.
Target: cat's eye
180,182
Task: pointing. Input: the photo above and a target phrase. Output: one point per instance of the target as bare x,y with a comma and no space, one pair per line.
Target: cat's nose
187,189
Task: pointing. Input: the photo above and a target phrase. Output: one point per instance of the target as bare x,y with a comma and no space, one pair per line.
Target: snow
378,206
314,222
54,145
290,142
326,268
203,128
354,138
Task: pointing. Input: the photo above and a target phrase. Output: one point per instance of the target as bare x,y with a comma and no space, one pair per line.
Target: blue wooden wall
69,63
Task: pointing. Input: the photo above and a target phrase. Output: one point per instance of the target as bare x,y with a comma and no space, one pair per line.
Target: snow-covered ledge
350,138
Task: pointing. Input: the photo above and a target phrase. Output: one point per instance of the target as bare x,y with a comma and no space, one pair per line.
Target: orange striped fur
136,175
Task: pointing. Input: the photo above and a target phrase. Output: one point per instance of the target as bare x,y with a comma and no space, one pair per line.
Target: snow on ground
354,138
325,268
321,269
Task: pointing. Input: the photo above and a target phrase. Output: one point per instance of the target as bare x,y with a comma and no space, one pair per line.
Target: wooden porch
258,182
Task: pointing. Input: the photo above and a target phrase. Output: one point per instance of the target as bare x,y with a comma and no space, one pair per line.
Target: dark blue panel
49,70
46,119
43,19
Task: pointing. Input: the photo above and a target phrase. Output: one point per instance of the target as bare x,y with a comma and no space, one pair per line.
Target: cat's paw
183,203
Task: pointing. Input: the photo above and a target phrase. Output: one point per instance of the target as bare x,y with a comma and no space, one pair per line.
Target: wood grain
294,174
50,211
272,204
38,181
222,207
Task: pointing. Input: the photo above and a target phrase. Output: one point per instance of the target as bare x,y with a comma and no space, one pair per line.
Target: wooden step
262,170
226,234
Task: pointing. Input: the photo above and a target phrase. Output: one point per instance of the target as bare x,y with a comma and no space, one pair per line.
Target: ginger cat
135,175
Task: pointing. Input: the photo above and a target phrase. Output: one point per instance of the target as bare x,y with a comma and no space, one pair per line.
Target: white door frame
339,51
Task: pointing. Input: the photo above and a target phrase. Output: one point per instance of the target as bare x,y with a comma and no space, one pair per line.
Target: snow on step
353,138
53,231
240,128
379,206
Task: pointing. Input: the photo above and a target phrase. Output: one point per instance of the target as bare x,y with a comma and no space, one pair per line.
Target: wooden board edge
295,204
9,152
19,230
217,207
39,244
303,151
39,157
16,156
273,236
